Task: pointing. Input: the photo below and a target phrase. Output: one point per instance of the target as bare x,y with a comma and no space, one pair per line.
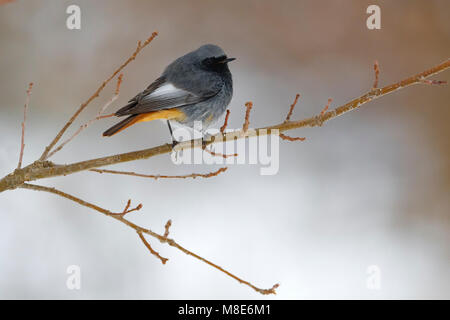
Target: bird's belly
208,112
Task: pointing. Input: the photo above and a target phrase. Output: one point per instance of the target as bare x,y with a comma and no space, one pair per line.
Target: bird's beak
227,60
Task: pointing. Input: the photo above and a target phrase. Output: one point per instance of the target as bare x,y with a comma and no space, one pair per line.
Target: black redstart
195,87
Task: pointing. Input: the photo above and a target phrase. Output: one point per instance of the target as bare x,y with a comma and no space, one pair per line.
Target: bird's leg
204,140
174,142
206,137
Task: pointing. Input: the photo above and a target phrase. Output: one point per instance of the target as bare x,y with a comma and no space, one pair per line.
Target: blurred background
369,188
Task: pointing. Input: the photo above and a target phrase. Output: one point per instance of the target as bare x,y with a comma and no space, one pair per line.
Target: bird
197,86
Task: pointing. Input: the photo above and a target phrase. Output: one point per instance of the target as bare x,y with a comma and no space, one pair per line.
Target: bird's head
212,57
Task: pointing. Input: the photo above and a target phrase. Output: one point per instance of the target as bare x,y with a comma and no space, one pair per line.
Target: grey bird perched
195,87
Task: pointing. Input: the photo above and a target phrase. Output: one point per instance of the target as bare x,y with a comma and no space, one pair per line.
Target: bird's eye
208,61
215,62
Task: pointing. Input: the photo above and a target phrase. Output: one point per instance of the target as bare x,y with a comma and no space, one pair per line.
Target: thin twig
139,229
158,176
80,201
376,68
127,209
22,141
326,107
99,116
248,106
149,247
140,46
320,118
288,118
218,154
167,227
225,123
289,138
41,170
291,109
433,82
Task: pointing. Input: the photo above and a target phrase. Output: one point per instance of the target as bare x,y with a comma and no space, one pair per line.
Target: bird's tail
121,125
150,116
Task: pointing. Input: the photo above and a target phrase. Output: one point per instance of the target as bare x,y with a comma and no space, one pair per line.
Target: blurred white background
369,188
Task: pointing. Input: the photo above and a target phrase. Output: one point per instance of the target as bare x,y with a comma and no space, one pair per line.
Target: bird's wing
161,94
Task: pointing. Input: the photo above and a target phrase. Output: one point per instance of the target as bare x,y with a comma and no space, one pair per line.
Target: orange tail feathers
135,118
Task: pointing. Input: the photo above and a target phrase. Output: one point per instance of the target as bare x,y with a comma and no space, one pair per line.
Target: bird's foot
174,144
204,143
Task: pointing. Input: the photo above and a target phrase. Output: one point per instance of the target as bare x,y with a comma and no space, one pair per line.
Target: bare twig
288,118
376,69
141,230
114,97
433,82
326,107
149,247
167,227
225,123
291,109
289,138
116,93
218,154
158,176
127,209
99,116
140,46
75,199
248,106
320,118
22,141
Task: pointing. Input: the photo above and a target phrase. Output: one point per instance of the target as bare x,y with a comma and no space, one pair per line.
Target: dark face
217,64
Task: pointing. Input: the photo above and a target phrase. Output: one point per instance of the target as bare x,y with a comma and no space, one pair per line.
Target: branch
128,210
22,141
288,118
39,169
100,115
218,154
248,106
140,46
291,109
79,201
158,176
289,138
44,169
167,227
319,118
433,82
141,230
376,69
225,123
153,252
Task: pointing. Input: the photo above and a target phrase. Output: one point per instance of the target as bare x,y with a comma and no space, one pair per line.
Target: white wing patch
166,90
